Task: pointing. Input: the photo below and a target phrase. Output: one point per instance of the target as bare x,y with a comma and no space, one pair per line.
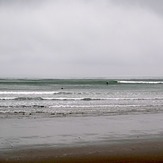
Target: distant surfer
107,83
62,88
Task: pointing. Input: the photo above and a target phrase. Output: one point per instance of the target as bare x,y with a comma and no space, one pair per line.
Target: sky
81,38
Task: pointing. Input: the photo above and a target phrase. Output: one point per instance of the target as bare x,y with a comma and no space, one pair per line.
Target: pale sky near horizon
81,38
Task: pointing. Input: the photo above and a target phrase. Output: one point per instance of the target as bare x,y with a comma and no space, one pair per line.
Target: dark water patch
52,81
19,112
28,98
38,114
63,93
23,106
75,99
92,99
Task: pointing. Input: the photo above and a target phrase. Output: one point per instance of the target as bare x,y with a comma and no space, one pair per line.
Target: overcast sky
81,38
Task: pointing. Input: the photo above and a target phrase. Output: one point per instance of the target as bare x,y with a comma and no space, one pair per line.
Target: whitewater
79,97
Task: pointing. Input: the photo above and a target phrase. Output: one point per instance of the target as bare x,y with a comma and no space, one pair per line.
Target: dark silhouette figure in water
107,83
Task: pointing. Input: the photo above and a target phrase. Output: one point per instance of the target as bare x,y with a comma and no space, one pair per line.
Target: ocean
79,97
75,112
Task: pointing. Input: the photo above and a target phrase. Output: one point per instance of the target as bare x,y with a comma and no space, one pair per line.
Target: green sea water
79,97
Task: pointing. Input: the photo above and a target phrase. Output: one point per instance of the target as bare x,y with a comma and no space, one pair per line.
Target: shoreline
124,138
141,150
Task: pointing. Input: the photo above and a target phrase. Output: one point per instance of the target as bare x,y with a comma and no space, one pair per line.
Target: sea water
57,112
84,97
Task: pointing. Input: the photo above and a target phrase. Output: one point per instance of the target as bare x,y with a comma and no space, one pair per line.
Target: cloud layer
79,38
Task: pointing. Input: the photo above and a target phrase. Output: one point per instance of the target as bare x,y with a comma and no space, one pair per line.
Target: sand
123,151
124,138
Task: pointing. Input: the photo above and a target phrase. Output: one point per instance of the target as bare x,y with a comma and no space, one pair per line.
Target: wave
23,106
23,98
35,93
27,98
78,110
74,99
139,82
27,92
49,98
7,98
63,93
97,107
134,82
109,82
77,82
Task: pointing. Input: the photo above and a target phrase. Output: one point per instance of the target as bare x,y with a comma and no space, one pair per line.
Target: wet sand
150,150
125,138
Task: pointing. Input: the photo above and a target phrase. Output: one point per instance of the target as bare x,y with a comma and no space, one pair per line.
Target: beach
125,151
81,120
81,81
124,138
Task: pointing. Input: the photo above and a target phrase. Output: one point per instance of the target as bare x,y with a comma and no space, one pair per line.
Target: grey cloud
153,5
80,38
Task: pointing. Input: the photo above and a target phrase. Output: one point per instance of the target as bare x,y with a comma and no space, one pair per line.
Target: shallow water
55,98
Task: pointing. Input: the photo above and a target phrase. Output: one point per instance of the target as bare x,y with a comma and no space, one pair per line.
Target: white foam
7,98
140,82
26,92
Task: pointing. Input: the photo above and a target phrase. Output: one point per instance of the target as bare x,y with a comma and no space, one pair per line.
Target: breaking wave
34,93
26,92
45,82
139,82
134,82
73,99
39,110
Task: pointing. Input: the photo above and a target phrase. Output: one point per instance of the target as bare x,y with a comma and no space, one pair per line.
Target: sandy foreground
123,151
124,138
